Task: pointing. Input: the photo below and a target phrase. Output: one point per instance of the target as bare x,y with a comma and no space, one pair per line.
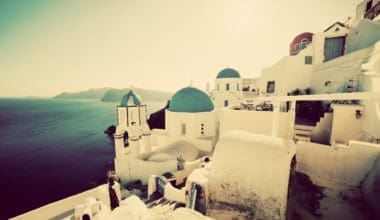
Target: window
202,129
270,87
308,59
227,86
183,129
218,86
237,86
225,102
334,47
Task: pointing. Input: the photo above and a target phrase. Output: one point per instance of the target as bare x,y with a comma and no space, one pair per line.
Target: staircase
303,132
161,208
320,132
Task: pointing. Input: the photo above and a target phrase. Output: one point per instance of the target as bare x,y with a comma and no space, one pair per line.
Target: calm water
51,149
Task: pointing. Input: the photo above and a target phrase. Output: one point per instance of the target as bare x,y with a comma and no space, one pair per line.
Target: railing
276,101
323,97
373,12
251,92
193,195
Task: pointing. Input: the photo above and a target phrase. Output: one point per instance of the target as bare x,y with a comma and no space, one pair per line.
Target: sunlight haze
47,47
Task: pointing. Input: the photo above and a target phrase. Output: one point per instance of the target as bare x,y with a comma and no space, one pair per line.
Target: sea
53,148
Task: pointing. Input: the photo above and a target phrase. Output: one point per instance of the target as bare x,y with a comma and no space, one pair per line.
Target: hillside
115,95
88,94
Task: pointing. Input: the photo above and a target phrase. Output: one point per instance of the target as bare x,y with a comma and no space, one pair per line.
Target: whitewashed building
191,114
132,120
228,88
190,131
335,60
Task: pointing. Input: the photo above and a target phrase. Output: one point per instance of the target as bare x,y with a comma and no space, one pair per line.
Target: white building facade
132,121
228,88
190,115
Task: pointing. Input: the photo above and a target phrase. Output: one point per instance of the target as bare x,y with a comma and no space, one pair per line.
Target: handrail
193,195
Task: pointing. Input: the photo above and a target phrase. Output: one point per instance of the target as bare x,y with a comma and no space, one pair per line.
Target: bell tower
132,123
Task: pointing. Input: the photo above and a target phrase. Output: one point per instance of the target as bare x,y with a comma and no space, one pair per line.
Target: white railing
323,97
277,100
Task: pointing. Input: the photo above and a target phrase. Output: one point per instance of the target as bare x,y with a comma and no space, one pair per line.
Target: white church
228,88
190,132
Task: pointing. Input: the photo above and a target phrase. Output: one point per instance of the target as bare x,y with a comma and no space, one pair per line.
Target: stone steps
303,132
302,138
160,207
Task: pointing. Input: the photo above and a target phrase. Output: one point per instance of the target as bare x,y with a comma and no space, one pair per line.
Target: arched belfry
132,120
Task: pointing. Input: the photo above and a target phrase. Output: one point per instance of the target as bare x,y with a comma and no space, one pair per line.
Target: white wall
54,209
249,177
193,121
204,144
338,71
188,214
274,73
143,116
122,116
372,83
371,124
218,98
365,34
174,194
159,137
234,84
219,95
259,122
129,168
341,164
345,125
299,73
289,73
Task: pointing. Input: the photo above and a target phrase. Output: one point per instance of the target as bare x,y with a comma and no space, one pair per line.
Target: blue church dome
228,73
190,99
130,96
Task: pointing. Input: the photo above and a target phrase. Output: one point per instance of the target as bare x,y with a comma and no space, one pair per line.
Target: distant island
115,95
87,94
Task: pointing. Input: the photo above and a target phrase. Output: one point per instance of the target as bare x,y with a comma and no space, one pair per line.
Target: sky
47,47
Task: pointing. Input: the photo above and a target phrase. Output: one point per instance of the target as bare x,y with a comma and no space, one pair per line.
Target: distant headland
115,95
